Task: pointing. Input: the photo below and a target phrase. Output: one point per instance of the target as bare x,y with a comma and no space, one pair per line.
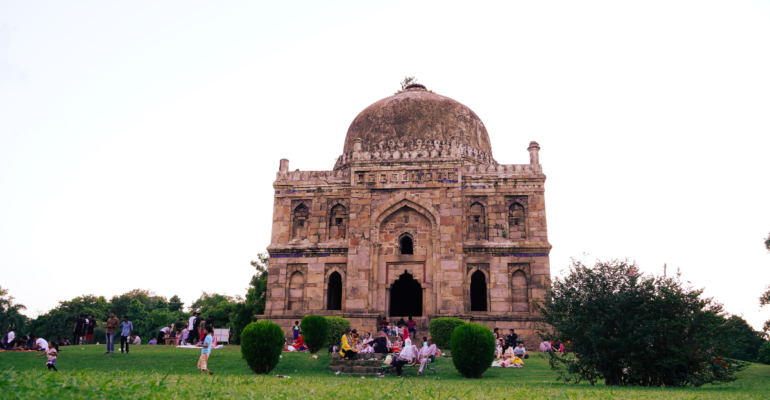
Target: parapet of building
415,219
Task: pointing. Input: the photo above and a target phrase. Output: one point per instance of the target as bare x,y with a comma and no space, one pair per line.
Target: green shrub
764,354
635,330
337,327
315,332
473,349
441,331
261,346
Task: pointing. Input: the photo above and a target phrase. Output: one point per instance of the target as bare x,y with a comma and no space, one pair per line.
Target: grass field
165,372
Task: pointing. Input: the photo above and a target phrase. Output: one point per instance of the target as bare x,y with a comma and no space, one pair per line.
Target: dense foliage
147,311
261,346
473,349
10,317
764,354
337,327
765,298
441,331
254,303
315,332
632,329
743,341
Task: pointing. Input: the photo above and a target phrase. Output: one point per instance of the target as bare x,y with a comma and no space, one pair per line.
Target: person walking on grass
52,352
205,351
109,329
90,329
125,330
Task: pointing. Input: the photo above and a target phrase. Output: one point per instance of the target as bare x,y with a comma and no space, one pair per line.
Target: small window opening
338,220
407,247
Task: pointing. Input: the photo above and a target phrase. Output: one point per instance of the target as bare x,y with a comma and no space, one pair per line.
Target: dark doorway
334,292
406,297
407,247
478,292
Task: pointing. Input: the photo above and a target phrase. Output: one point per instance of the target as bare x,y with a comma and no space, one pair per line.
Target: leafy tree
60,321
765,298
175,304
120,304
744,342
254,304
10,316
140,319
633,329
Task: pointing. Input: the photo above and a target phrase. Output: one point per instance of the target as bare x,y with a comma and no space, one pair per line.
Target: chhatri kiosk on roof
416,218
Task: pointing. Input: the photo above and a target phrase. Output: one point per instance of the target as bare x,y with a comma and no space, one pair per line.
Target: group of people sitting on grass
403,352
510,350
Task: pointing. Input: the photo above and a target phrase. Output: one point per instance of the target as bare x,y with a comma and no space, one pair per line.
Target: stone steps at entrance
358,366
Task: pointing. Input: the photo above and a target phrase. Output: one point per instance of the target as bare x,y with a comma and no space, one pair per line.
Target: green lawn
165,372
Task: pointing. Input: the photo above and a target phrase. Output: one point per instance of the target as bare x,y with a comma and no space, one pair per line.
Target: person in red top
298,345
412,324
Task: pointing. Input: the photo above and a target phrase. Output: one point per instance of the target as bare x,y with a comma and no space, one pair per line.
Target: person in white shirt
137,340
520,351
163,333
11,336
425,352
40,343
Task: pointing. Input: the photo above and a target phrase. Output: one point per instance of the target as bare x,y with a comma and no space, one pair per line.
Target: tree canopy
635,329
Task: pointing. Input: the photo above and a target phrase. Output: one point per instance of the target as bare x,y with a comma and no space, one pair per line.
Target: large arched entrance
334,292
406,297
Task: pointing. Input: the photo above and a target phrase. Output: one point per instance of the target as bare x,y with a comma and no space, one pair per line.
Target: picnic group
194,333
394,338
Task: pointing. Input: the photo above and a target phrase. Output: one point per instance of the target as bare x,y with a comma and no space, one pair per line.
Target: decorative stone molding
502,170
314,177
413,150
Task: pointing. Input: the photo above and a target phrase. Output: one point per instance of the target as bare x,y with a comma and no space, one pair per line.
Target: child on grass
52,352
205,351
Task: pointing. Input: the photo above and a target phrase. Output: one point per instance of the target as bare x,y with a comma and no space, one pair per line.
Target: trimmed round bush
315,331
764,354
441,331
473,349
337,327
261,345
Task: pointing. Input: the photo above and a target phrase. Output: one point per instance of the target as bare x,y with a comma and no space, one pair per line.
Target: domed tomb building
417,218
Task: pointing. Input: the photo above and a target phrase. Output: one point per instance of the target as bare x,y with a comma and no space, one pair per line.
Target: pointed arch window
477,222
478,291
334,292
301,222
406,244
520,292
517,222
338,222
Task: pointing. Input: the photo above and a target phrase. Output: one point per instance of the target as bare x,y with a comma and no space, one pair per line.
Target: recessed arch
478,291
519,292
404,200
334,292
406,244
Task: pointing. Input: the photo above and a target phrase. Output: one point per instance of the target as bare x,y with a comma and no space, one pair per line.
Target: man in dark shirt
512,339
210,321
78,331
194,334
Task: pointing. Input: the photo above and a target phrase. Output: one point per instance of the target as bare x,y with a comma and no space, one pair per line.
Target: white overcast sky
139,140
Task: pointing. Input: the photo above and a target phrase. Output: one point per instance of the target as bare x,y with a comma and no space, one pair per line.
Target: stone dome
416,113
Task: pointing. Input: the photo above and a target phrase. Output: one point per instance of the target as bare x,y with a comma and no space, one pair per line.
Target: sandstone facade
416,219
